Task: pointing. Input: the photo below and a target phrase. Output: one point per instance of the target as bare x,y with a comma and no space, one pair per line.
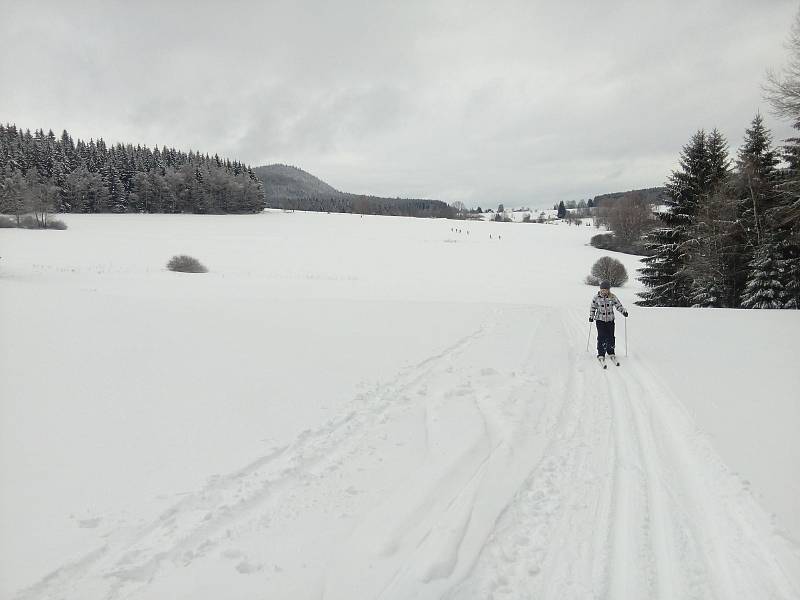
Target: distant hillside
650,195
291,188
282,182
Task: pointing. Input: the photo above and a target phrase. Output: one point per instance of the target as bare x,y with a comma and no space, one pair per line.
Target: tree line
731,234
41,173
367,205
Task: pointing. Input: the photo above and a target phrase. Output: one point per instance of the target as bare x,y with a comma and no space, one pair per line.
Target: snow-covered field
378,407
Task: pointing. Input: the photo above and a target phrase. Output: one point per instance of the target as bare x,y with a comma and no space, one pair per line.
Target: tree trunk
755,209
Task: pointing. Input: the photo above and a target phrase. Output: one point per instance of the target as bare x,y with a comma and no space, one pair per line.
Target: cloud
521,102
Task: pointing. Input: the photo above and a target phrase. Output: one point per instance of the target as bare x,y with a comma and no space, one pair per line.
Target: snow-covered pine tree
764,288
783,93
758,198
59,180
756,165
13,193
68,152
711,262
788,250
784,223
664,271
719,162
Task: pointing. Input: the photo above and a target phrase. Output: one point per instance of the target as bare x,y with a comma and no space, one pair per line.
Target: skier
602,310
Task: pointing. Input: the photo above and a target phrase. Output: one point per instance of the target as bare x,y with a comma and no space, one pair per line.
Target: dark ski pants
605,337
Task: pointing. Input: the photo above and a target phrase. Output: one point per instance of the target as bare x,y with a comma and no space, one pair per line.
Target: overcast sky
520,102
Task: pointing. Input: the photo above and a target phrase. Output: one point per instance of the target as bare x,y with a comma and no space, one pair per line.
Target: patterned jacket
602,309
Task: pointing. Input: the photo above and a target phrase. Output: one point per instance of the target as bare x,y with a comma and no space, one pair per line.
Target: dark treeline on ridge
368,205
291,188
654,196
40,172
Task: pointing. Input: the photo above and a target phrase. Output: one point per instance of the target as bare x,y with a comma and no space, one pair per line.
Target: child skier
602,310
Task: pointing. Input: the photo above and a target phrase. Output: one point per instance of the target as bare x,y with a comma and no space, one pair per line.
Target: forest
41,173
730,234
368,205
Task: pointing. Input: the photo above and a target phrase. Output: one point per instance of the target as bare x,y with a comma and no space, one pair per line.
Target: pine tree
68,152
664,271
711,262
783,92
783,222
13,194
758,182
713,253
141,196
764,288
756,164
719,163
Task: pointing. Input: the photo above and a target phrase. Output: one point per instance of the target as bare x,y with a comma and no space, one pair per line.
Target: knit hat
604,285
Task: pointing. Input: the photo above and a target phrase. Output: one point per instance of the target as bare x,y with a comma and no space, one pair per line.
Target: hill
653,195
282,182
291,188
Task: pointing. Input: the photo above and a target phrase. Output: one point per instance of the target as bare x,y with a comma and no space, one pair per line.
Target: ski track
463,478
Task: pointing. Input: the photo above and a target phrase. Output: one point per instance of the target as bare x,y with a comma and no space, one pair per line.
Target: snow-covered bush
608,269
186,264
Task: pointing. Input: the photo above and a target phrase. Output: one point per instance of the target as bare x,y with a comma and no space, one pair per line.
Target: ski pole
588,337
626,336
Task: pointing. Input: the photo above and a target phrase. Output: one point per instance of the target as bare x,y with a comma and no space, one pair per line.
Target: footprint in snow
89,523
246,568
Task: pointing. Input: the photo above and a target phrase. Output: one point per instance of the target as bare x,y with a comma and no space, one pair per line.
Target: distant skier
602,310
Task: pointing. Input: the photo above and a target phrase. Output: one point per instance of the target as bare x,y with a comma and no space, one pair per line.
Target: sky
523,102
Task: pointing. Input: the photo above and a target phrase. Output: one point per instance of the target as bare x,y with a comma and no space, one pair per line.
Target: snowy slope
351,407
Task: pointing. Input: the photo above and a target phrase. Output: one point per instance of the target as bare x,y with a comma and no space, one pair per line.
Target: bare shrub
592,280
630,218
31,222
603,241
186,264
608,269
55,224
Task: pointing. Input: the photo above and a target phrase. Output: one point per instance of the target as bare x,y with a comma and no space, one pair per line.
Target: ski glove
590,319
625,313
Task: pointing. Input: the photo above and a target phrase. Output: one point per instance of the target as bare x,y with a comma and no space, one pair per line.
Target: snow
363,407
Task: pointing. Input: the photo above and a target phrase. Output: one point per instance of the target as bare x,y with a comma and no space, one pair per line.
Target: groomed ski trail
668,521
506,466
